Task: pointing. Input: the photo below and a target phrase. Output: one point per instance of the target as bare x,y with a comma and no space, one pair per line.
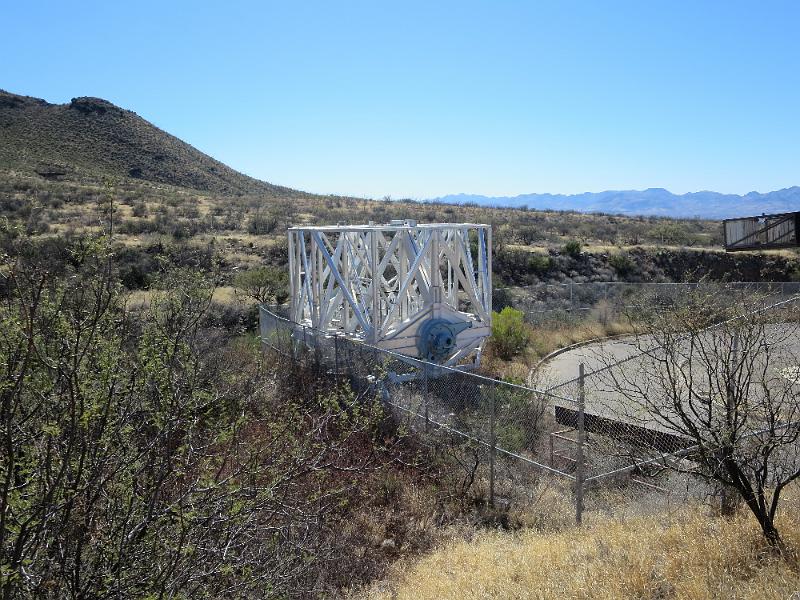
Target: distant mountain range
649,202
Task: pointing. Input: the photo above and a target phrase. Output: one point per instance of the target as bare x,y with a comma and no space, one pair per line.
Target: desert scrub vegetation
264,285
528,245
551,335
517,345
509,332
688,554
572,248
147,452
622,264
148,448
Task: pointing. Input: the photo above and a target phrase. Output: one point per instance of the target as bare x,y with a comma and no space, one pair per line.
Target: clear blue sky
420,99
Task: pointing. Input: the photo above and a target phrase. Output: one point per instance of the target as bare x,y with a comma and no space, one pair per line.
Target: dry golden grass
225,295
686,555
546,339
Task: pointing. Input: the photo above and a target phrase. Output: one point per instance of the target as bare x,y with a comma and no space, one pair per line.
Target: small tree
264,284
718,374
622,264
509,333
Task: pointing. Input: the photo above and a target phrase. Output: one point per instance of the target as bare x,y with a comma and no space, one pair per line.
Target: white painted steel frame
379,283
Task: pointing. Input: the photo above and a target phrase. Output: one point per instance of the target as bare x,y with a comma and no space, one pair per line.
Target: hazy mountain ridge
93,137
649,202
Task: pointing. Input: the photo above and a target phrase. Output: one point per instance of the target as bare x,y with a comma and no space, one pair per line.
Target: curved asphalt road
559,374
563,368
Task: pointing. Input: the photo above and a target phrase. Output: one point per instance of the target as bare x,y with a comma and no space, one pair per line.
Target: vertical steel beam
376,287
345,241
401,277
435,274
489,272
293,296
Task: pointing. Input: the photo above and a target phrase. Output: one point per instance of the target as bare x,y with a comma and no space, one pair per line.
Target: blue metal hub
436,338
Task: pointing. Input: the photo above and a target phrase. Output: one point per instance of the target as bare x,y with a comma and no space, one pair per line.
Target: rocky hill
91,137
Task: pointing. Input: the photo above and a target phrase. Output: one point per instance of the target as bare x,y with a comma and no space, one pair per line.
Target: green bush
572,248
262,224
520,425
622,264
540,263
140,210
145,455
509,332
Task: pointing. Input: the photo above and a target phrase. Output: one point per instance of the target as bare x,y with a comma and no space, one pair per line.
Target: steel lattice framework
424,290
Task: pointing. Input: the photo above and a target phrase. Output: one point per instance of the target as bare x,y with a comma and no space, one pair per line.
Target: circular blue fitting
436,338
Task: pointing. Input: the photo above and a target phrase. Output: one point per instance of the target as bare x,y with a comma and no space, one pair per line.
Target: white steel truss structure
424,290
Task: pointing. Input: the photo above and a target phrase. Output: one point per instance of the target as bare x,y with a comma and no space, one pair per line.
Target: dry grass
546,339
685,555
225,295
549,337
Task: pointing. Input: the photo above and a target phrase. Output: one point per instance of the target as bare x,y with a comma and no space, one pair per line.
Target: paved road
559,374
564,367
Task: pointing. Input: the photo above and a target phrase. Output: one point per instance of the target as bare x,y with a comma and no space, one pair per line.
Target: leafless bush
717,372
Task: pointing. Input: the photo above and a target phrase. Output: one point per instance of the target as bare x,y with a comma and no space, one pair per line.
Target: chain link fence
511,440
580,434
499,433
639,403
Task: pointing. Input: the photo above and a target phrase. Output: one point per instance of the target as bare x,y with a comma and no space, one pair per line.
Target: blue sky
421,99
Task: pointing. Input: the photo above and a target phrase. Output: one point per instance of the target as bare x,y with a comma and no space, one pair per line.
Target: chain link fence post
579,459
305,344
292,331
425,396
262,326
336,357
493,446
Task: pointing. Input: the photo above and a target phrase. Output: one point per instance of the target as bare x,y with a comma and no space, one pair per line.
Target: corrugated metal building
762,233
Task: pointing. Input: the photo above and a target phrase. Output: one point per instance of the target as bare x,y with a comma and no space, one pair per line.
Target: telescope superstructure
423,290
